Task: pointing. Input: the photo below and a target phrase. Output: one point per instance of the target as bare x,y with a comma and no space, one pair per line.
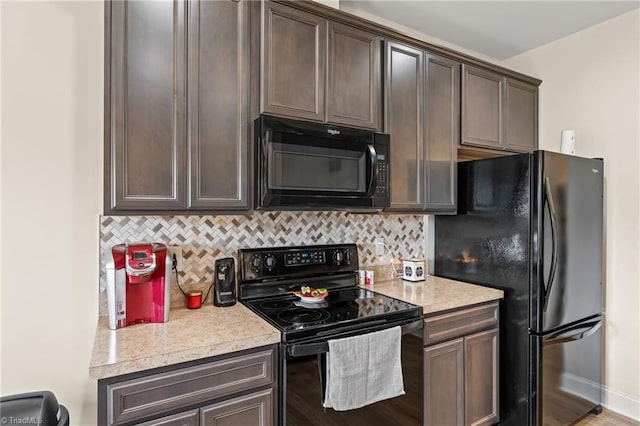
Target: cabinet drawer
254,409
145,396
460,323
188,418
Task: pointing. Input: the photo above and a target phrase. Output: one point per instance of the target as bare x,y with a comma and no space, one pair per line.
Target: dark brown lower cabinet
188,418
234,389
252,409
461,373
444,384
481,387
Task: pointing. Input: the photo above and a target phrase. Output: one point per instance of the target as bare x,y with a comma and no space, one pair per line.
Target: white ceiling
498,29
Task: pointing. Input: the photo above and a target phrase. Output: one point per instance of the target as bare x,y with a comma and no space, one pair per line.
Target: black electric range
269,276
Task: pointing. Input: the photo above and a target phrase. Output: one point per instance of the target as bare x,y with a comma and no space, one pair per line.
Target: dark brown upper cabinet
293,62
442,133
422,115
404,121
353,77
166,149
146,89
316,69
218,105
498,112
521,116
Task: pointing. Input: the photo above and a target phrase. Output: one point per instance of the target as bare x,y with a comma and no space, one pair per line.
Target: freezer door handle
583,330
554,241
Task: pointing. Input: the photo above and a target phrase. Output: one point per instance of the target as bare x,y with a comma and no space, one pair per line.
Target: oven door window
316,169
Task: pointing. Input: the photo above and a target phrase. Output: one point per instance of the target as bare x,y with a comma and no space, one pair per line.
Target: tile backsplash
204,239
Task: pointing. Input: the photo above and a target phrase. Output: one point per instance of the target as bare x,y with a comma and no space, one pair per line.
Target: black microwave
313,166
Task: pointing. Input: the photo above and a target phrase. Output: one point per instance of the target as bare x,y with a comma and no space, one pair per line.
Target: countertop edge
103,371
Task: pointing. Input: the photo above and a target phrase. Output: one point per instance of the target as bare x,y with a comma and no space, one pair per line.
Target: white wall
52,87
591,84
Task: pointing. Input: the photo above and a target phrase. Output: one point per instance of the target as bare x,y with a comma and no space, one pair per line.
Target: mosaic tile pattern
206,238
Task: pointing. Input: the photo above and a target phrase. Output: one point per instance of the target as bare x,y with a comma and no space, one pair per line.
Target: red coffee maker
138,284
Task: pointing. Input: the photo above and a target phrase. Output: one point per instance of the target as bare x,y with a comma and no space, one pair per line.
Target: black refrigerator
532,225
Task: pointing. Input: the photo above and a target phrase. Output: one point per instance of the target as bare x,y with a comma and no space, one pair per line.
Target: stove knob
256,262
338,256
270,261
348,256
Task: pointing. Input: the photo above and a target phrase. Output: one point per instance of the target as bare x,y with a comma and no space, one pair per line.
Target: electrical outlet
177,250
379,246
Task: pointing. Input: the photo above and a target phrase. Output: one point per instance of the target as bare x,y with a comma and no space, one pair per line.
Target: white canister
413,270
568,142
368,278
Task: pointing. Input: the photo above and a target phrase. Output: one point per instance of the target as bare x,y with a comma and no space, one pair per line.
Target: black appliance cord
174,266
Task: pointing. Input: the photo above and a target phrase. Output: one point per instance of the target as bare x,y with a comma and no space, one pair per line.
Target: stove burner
275,304
303,316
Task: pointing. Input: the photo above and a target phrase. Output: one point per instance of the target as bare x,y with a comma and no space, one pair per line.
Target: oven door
304,166
301,393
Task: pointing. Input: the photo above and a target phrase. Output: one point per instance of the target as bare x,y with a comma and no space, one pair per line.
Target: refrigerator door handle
554,241
560,337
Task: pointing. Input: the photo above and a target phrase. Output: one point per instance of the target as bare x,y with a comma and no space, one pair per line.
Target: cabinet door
146,150
353,77
442,129
254,409
293,69
481,378
481,107
404,112
188,418
521,116
443,384
218,102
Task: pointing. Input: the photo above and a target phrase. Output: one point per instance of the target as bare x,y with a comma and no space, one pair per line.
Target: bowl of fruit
311,295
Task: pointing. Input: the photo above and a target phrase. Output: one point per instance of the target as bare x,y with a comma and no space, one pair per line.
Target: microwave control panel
382,170
381,183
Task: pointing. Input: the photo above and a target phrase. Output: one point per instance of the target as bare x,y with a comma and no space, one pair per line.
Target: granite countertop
437,294
187,336
211,331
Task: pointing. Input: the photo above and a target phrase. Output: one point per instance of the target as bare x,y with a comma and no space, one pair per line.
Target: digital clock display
138,255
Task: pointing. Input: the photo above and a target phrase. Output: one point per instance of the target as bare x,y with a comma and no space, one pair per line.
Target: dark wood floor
304,407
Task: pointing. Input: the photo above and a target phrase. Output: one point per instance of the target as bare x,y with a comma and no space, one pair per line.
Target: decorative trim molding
612,399
621,403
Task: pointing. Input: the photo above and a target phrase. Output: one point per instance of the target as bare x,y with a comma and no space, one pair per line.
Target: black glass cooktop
343,309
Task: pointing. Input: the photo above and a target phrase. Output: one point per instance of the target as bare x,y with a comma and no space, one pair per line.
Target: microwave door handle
374,170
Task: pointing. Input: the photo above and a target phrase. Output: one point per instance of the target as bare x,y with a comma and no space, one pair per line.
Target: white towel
364,369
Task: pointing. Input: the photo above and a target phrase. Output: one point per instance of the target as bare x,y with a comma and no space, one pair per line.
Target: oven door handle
307,349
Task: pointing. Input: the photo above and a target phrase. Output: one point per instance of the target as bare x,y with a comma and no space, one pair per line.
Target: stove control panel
286,262
303,257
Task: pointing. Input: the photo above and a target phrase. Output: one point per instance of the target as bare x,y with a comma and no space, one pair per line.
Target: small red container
194,299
